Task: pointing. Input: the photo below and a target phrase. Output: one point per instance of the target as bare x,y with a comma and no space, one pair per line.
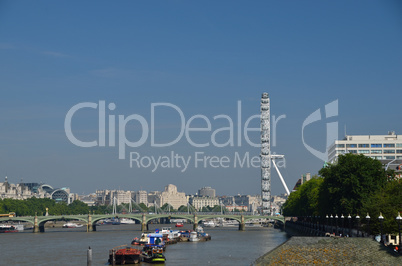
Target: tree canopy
349,182
304,201
32,206
355,185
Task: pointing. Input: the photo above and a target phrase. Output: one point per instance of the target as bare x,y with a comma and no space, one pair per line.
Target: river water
66,246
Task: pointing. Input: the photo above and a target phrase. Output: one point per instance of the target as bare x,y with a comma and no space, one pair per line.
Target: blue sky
203,57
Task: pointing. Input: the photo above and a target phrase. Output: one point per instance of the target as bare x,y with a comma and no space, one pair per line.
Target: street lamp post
381,218
399,220
343,224
336,221
332,222
326,229
357,224
314,222
350,225
368,223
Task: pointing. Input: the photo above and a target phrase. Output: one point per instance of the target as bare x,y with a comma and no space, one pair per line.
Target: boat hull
125,256
154,259
9,231
11,228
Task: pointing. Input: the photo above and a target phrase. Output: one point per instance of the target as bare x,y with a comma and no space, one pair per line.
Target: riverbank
329,250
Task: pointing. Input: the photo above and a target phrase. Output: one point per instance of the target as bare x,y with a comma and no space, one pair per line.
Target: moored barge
126,255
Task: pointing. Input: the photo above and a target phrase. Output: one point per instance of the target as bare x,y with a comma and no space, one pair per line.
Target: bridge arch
65,218
107,216
174,216
234,217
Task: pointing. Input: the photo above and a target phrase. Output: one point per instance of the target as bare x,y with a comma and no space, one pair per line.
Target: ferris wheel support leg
280,176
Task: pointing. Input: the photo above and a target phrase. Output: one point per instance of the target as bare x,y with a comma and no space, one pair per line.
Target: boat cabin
154,237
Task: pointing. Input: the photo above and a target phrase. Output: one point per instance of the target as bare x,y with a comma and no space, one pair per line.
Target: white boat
194,237
229,223
171,234
7,228
20,227
72,225
199,229
209,224
126,221
253,225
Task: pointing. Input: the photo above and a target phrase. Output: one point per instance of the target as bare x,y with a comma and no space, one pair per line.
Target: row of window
374,145
372,151
386,157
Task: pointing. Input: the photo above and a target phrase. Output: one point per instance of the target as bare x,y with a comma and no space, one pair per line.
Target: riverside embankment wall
302,250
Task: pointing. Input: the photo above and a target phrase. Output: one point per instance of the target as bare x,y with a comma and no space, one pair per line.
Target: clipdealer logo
331,110
112,133
115,127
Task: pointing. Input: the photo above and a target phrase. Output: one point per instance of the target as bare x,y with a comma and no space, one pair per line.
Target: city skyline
159,189
208,61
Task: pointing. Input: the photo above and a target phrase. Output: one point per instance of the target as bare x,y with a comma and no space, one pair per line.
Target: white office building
199,202
386,148
141,196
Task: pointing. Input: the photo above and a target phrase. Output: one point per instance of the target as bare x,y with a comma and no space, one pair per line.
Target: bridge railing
205,213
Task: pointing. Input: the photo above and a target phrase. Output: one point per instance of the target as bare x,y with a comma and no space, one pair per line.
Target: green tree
305,200
2,210
183,208
206,209
143,207
347,183
293,204
218,208
388,201
78,207
167,207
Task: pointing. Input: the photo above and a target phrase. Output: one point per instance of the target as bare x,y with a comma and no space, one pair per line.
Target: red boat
179,225
127,255
8,229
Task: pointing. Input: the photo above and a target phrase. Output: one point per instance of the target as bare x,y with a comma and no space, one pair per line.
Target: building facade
15,191
106,197
232,208
172,197
206,192
141,196
23,191
277,203
386,148
200,202
152,197
251,202
122,196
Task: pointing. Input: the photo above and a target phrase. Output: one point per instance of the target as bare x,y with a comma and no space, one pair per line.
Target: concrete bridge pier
42,227
195,222
242,224
144,226
36,226
90,227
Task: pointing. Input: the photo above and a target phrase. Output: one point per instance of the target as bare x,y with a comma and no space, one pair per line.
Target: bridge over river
144,218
